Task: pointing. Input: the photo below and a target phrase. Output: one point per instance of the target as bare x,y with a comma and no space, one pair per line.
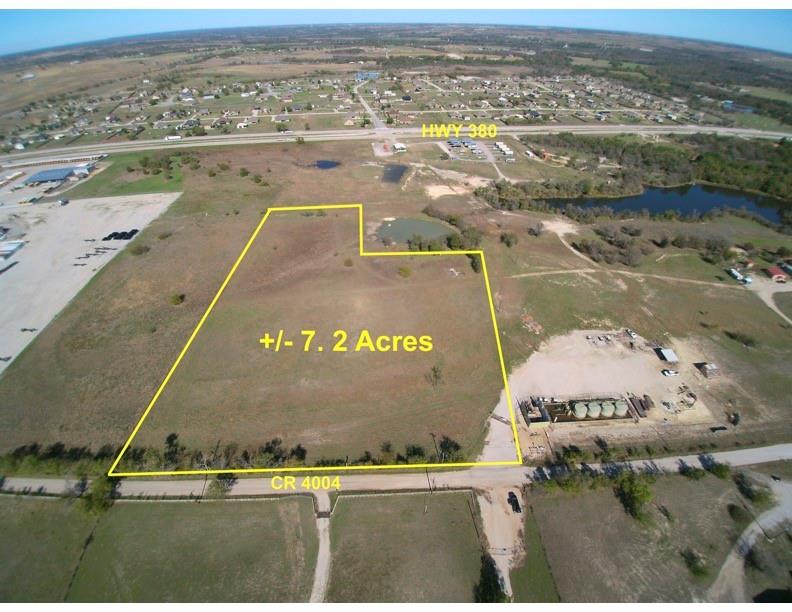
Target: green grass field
255,551
115,180
532,580
40,545
258,551
784,302
770,93
387,549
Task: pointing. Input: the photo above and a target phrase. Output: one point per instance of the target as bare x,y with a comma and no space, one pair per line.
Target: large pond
688,199
402,229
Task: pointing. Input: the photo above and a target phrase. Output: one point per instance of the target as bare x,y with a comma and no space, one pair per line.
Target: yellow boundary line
359,207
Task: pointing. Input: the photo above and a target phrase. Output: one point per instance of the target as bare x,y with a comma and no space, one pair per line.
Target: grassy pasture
107,352
610,557
115,180
388,549
532,580
214,551
40,545
139,552
304,273
784,302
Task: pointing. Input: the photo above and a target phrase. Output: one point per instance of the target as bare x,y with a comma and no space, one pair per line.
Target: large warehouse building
58,175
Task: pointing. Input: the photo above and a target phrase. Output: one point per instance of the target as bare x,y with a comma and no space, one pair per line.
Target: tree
435,375
634,493
100,495
509,239
489,588
221,485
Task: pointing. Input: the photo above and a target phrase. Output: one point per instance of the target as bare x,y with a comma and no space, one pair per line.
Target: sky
39,29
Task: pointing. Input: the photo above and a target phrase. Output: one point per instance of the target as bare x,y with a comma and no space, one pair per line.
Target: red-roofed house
777,274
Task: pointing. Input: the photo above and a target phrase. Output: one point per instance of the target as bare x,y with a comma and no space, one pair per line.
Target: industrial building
543,411
59,175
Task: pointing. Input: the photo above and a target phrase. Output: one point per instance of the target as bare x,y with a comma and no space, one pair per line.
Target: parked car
63,202
670,373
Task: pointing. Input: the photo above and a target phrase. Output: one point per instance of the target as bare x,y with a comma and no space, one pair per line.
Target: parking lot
63,248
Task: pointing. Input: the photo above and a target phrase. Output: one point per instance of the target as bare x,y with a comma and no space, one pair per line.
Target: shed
667,354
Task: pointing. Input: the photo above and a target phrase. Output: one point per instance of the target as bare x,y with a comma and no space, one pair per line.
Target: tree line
58,459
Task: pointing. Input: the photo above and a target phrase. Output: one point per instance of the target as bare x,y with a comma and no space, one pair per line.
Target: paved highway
364,134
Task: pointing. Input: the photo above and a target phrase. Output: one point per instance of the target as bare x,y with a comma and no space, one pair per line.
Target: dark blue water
688,199
326,164
393,173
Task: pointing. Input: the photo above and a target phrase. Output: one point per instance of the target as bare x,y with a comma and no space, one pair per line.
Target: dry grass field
106,353
254,550
404,548
240,551
608,556
109,349
305,273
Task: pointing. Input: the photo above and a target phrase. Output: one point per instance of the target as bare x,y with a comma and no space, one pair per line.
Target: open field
303,273
113,344
608,556
532,580
388,548
115,180
770,93
40,545
784,302
237,551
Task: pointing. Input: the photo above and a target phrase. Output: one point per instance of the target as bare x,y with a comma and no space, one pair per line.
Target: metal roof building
49,176
54,175
667,354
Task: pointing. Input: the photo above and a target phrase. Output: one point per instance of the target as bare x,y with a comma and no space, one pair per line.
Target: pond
393,173
326,164
402,229
688,199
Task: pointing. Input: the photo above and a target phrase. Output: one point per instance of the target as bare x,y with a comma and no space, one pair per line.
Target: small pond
402,229
393,173
326,164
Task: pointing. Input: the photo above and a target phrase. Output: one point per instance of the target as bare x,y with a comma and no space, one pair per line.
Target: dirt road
729,586
473,478
323,558
502,527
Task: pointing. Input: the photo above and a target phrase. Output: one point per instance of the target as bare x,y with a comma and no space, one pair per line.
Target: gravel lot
60,257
